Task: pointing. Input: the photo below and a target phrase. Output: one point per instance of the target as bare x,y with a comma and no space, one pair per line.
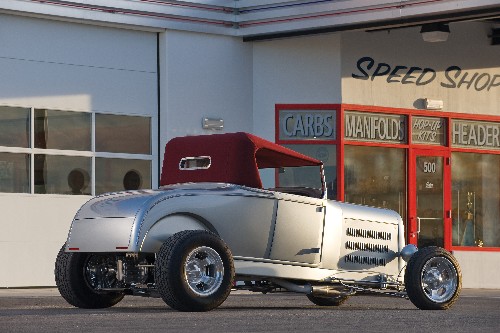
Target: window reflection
327,154
476,198
56,174
62,130
376,176
68,130
430,200
14,127
113,174
122,134
14,173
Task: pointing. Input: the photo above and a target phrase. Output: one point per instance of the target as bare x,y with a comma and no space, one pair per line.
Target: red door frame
412,236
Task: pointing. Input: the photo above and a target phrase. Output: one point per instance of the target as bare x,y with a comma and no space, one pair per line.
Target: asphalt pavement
43,310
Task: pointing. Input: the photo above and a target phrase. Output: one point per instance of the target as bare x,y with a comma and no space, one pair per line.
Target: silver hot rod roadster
212,227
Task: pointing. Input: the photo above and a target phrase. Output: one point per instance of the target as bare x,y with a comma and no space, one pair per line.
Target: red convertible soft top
227,158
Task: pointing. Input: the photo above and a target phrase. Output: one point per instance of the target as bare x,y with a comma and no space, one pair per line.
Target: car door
298,232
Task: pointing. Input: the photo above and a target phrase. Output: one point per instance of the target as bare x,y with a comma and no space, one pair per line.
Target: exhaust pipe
320,291
329,291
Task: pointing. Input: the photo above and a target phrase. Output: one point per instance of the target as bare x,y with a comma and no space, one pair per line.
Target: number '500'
429,167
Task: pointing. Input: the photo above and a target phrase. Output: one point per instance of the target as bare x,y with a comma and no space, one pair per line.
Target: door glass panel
430,200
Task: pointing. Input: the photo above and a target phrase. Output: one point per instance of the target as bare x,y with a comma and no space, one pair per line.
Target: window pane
62,174
122,134
428,130
326,154
14,127
113,174
14,173
376,176
476,198
62,130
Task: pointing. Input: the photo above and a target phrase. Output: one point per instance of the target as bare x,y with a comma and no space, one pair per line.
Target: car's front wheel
79,276
194,271
433,279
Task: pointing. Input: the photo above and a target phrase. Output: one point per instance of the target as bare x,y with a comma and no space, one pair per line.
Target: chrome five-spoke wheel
204,270
439,279
194,271
433,279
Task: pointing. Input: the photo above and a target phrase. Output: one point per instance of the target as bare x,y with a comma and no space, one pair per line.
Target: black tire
186,287
433,279
74,286
327,301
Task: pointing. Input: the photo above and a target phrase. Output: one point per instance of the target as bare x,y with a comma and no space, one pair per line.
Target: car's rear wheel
327,301
433,279
194,271
79,276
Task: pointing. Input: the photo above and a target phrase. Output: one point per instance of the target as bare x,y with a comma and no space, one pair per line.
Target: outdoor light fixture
433,104
213,124
435,32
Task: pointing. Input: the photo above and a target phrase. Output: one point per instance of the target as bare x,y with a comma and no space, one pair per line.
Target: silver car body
270,234
213,226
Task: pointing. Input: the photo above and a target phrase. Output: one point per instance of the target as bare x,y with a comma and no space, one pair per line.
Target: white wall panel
79,44
296,70
66,66
79,88
204,76
77,67
34,227
479,269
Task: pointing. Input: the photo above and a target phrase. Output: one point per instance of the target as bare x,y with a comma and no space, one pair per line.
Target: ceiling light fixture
435,32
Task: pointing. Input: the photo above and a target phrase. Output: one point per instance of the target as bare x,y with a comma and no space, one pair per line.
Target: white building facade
90,94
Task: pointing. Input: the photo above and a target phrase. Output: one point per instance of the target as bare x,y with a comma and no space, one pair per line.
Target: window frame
92,154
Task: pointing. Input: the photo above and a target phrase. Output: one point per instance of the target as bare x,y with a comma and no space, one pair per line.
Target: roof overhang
257,19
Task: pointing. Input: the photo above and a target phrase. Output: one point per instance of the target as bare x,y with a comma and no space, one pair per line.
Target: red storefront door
429,198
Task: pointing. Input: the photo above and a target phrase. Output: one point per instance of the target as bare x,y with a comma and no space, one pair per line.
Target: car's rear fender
165,227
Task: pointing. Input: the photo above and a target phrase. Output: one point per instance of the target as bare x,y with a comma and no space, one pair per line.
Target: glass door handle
426,218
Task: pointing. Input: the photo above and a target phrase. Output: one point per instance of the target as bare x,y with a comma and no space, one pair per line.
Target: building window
62,130
375,176
122,134
115,174
14,173
312,132
51,152
428,130
55,174
328,155
475,199
14,127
